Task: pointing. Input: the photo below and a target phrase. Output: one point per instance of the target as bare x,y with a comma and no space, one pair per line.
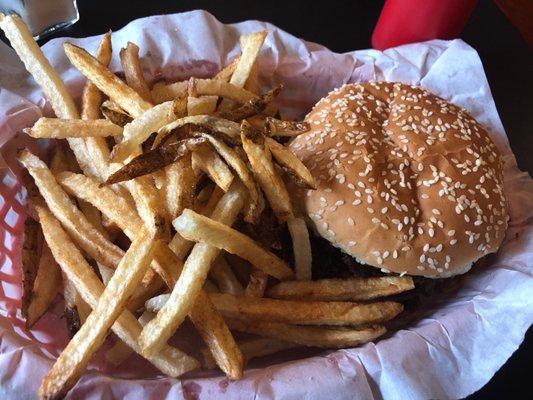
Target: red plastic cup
410,21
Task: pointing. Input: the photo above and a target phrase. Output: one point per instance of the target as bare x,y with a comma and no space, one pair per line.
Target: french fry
209,162
154,160
333,338
30,255
204,105
304,312
225,278
276,127
45,287
55,128
120,351
169,360
38,66
204,87
354,289
265,173
86,235
180,185
91,99
121,213
251,44
193,226
75,357
190,282
225,73
76,309
114,113
251,348
217,336
204,123
54,89
301,247
138,130
213,330
106,81
251,107
252,83
239,166
258,282
149,205
290,163
129,57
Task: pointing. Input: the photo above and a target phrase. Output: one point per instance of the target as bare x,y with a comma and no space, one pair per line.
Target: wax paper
451,352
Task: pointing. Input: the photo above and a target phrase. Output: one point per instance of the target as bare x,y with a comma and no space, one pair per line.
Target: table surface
345,26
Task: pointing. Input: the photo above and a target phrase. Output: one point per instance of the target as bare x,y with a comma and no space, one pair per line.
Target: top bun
407,182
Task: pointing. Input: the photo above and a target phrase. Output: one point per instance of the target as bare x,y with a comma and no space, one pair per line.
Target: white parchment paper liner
449,354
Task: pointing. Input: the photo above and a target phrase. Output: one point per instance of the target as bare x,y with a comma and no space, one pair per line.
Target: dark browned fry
277,127
72,319
31,253
252,107
114,114
154,160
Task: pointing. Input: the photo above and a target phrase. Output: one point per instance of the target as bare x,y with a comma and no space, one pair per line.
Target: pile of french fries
133,220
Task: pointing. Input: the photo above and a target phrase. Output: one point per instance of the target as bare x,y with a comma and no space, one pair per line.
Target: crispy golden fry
354,289
75,357
224,277
251,107
217,336
193,226
202,123
91,98
265,173
138,130
45,287
251,44
209,207
129,57
170,360
204,87
276,127
38,66
190,282
208,161
257,285
86,235
204,105
334,338
154,160
292,164
180,185
31,254
114,113
106,81
54,89
301,247
251,348
55,128
225,73
304,312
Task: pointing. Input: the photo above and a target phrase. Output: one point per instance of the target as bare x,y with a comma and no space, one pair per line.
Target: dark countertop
344,26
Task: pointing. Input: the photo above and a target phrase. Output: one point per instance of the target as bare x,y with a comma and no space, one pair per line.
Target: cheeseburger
406,181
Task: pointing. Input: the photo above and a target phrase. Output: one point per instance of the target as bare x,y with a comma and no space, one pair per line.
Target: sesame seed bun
407,182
